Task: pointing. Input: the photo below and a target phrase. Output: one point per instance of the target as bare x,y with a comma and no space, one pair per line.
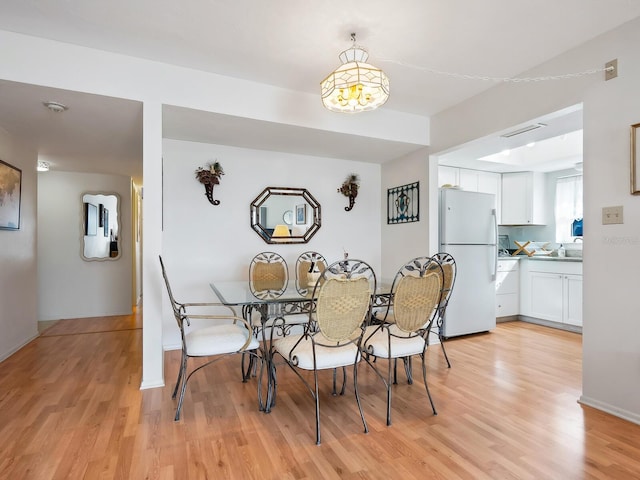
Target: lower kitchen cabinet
572,313
553,291
508,287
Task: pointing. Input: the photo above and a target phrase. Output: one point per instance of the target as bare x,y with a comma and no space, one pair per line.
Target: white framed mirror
100,226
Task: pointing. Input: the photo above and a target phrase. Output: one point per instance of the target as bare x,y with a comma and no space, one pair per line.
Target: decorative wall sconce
350,189
210,176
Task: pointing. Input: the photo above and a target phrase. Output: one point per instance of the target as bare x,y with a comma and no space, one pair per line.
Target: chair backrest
417,293
449,270
268,274
177,307
307,262
344,295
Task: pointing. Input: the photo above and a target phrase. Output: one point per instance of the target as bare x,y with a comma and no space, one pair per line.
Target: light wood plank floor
71,408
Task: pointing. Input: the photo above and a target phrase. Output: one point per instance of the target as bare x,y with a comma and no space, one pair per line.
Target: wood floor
71,408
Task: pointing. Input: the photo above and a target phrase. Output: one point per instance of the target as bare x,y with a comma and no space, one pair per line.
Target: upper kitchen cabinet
472,181
448,176
523,198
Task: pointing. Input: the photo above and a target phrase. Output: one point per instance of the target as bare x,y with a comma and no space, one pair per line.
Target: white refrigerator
469,232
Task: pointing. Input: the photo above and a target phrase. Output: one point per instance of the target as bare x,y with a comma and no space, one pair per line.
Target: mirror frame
82,227
287,191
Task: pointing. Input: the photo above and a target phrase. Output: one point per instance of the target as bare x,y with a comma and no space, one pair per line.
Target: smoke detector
55,107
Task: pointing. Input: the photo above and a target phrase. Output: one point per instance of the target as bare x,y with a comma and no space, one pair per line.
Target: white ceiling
294,44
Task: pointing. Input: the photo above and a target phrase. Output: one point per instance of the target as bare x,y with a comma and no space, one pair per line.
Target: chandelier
355,86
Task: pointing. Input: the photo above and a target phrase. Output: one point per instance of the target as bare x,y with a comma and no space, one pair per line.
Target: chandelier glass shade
355,86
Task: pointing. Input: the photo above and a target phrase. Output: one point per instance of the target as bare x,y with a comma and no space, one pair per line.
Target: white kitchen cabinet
474,181
523,198
448,175
572,289
552,290
546,296
508,287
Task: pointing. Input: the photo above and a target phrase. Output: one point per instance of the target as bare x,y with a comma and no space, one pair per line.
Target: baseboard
547,323
147,385
171,346
10,352
607,408
508,318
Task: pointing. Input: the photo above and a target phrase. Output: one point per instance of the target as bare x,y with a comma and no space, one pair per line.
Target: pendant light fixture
355,86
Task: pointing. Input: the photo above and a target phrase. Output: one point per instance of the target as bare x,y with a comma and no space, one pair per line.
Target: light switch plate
611,215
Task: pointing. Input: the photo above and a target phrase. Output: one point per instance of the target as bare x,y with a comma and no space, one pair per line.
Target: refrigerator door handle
495,243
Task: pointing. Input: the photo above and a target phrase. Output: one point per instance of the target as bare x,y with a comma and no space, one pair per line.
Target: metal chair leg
426,386
182,390
355,388
182,362
444,351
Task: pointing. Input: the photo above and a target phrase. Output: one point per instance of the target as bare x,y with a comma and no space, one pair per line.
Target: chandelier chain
487,78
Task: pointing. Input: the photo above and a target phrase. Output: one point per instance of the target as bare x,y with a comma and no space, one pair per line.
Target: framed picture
90,219
105,222
10,193
101,215
403,203
635,158
301,214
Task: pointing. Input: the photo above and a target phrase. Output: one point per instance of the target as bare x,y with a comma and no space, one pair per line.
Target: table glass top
238,292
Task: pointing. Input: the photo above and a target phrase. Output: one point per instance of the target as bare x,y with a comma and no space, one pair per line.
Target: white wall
89,289
202,243
611,345
404,241
156,84
18,272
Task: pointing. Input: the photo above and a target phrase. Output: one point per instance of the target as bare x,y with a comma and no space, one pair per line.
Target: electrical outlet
611,215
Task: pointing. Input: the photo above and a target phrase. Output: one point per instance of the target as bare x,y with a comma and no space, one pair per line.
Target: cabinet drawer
507,282
507,304
505,265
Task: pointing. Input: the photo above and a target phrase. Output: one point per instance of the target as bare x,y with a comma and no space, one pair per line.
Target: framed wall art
105,222
635,158
90,219
403,203
10,196
301,214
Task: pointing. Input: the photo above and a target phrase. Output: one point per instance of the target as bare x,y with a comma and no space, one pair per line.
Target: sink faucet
576,239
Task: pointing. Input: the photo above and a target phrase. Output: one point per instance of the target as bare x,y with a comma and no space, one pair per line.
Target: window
568,205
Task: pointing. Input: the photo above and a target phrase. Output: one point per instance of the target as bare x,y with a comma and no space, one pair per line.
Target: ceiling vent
522,130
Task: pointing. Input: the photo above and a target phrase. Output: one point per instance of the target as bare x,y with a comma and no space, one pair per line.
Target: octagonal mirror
281,215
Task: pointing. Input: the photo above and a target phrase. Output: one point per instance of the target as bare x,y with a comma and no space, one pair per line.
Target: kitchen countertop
544,258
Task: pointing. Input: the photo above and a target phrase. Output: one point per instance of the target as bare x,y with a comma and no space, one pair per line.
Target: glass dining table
276,304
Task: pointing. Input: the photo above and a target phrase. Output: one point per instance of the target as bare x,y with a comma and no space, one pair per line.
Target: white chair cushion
326,357
218,339
378,344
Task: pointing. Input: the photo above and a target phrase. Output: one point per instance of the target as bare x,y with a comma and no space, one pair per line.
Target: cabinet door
507,282
516,198
448,175
469,180
573,300
546,296
507,305
489,182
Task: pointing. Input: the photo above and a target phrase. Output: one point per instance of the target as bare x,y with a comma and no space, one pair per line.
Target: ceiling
290,44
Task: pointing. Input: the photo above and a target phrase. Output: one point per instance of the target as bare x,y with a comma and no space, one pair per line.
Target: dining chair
449,271
268,280
332,337
309,263
416,293
207,335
